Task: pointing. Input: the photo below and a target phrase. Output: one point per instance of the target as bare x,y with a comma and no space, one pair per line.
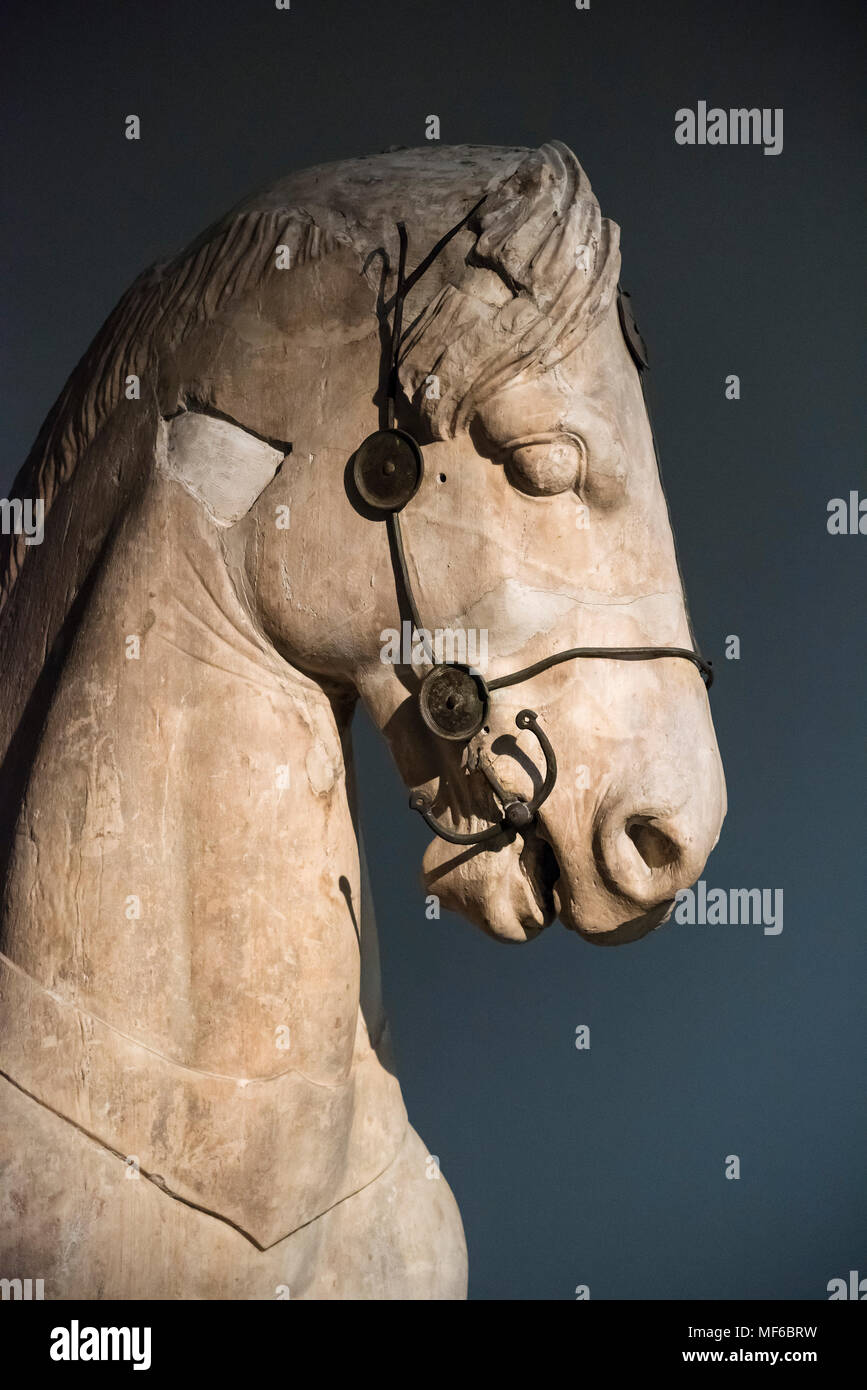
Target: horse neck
189,807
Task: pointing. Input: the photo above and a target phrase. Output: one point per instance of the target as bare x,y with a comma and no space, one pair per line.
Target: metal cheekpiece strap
517,814
453,699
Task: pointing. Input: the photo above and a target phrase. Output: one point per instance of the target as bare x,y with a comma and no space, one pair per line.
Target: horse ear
225,466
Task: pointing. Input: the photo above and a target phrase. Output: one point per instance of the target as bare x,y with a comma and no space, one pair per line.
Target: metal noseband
454,700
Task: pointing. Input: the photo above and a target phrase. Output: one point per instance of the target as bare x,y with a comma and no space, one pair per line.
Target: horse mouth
542,872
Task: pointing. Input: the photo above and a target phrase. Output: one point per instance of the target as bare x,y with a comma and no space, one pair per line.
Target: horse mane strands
162,306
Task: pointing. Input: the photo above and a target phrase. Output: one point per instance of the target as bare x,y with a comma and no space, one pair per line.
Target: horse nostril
655,847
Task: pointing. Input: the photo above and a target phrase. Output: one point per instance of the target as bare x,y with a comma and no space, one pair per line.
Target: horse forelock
540,232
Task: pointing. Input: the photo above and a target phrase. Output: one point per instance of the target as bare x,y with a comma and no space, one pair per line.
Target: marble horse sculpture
198,1098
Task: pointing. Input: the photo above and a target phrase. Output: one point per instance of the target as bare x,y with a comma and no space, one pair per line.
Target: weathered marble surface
190,971
128,1238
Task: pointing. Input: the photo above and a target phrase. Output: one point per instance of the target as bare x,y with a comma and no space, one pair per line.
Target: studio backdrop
681,1115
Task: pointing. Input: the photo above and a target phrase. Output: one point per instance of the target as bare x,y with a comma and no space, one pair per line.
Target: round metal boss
387,469
453,703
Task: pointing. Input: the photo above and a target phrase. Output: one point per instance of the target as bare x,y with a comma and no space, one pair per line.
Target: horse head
535,524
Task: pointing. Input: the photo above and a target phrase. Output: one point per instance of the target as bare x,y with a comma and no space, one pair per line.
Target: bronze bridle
453,699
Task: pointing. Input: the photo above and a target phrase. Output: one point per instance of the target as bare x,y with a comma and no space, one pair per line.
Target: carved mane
162,306
529,232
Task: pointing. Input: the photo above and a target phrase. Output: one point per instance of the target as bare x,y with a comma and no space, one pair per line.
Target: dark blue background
603,1167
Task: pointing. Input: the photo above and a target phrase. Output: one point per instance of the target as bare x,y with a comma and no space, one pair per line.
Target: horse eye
546,467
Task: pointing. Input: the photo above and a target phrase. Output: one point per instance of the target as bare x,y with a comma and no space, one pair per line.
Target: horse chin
515,891
630,927
508,892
